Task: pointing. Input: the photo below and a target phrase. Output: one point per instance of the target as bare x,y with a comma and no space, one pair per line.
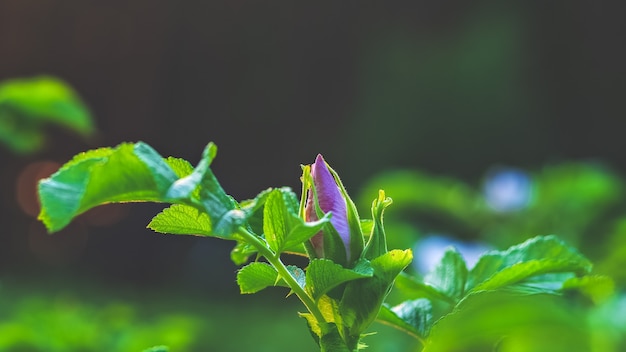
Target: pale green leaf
449,275
256,276
181,219
539,255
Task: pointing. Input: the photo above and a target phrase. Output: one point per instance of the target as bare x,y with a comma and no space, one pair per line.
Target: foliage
27,106
506,299
351,270
342,293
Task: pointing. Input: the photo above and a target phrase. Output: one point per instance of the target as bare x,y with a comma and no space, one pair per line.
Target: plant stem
284,273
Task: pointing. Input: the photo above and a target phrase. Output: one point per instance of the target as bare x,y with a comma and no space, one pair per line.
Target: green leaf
522,271
413,316
159,169
449,275
323,275
256,276
27,105
181,219
277,218
539,255
282,226
47,98
102,176
221,208
134,173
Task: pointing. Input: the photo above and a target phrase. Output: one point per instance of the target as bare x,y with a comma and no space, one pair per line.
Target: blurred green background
435,99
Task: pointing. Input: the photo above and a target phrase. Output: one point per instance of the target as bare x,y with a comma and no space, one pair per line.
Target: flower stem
284,273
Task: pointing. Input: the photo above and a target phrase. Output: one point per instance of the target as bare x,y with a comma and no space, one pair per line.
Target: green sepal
354,222
377,243
307,183
334,248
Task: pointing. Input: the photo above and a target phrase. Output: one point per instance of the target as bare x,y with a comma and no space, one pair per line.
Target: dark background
450,87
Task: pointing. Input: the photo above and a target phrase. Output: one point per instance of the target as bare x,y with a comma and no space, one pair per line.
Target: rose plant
350,271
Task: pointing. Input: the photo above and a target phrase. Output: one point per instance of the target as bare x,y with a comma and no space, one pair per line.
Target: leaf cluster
342,299
520,286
